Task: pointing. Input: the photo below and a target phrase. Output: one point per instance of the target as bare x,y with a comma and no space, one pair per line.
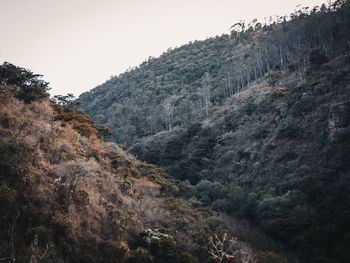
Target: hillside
254,124
69,195
278,156
182,84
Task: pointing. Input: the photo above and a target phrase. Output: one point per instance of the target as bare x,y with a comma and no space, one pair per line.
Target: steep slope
255,125
276,155
179,86
67,196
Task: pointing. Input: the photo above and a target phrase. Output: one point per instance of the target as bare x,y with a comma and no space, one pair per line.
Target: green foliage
260,132
67,196
231,121
157,176
192,79
67,101
272,159
28,86
284,215
256,127
267,142
205,112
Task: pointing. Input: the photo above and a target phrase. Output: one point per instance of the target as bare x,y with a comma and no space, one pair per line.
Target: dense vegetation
68,196
254,124
180,86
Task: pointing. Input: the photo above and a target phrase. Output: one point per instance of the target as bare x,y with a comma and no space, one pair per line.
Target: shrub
284,215
260,131
249,108
237,198
220,205
288,129
231,121
79,121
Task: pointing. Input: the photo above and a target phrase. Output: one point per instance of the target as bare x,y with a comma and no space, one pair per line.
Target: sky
79,44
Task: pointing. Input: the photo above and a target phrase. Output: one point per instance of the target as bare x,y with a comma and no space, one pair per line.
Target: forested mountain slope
182,84
254,124
68,196
276,155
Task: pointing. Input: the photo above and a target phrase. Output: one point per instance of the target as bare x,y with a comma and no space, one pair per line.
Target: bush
289,130
220,205
260,131
80,121
249,108
284,215
237,198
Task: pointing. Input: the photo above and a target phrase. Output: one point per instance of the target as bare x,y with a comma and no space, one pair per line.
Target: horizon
83,43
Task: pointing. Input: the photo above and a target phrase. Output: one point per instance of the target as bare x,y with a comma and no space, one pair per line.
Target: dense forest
231,149
181,85
253,124
67,194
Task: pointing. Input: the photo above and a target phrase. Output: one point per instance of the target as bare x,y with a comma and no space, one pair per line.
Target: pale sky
79,44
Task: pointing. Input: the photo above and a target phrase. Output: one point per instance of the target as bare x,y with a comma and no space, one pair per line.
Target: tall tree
168,111
204,92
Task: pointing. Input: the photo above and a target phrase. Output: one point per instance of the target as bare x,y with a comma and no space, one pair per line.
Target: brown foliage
77,119
87,196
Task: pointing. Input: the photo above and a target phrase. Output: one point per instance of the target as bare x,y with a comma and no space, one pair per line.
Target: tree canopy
29,86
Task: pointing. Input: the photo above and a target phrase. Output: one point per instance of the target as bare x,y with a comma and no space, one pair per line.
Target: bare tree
225,249
168,111
204,92
38,254
12,224
222,249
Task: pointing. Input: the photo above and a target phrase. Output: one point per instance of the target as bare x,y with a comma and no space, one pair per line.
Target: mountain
68,194
177,88
254,124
